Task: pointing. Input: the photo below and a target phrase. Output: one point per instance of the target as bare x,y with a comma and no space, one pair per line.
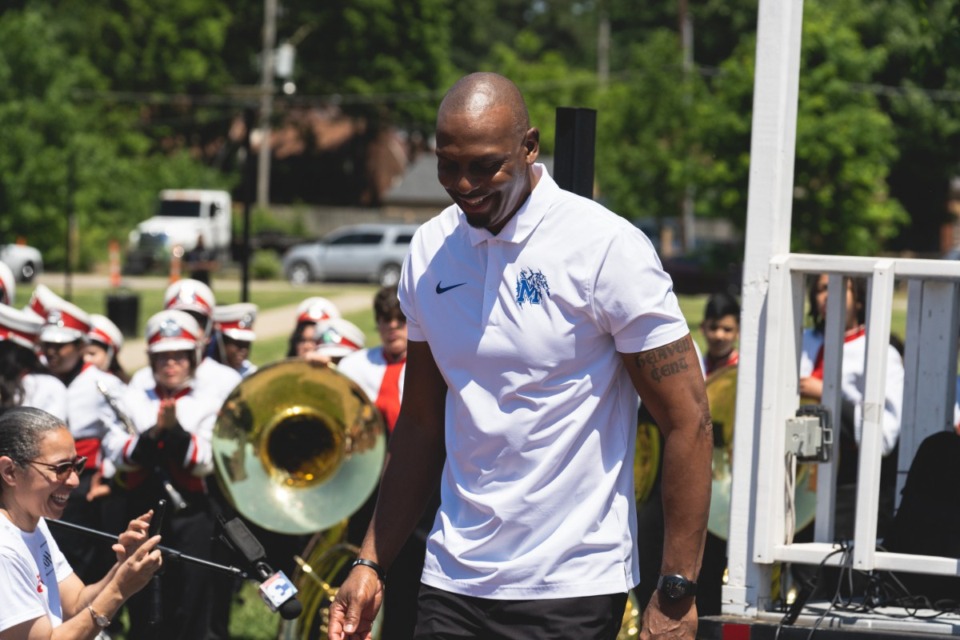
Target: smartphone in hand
156,522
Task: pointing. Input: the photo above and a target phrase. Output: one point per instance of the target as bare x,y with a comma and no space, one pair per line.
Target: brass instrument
298,448
722,398
646,459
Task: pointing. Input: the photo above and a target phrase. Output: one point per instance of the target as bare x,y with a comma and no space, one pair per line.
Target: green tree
918,86
61,156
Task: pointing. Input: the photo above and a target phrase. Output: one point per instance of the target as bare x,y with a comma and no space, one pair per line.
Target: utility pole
603,47
266,100
686,39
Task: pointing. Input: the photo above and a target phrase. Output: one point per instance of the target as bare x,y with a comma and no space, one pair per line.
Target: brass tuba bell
298,448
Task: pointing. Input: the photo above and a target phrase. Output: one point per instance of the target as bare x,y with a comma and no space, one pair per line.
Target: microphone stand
168,553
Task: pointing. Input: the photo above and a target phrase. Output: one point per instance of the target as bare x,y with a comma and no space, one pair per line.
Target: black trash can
123,309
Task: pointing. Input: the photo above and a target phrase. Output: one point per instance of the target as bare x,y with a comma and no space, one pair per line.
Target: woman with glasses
90,418
173,422
41,596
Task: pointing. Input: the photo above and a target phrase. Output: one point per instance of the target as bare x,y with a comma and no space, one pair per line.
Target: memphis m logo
531,287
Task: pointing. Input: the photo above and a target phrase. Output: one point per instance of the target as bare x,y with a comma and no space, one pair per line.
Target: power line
250,96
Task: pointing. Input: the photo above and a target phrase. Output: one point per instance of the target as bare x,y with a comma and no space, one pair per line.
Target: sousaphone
298,448
722,398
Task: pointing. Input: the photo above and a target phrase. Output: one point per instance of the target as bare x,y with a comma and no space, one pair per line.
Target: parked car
25,261
368,252
707,269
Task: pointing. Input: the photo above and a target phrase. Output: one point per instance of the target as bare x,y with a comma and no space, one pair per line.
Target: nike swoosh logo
442,289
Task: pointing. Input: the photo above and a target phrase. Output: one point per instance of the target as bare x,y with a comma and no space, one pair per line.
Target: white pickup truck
182,216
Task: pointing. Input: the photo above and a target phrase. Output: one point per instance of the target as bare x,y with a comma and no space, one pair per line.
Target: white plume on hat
236,320
21,327
173,330
64,321
316,309
8,285
338,337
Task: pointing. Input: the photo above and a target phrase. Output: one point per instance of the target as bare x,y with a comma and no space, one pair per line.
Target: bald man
535,317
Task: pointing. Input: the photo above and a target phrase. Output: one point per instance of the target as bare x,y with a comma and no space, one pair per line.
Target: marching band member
379,370
336,338
89,417
103,346
197,300
24,380
721,330
303,341
234,335
174,424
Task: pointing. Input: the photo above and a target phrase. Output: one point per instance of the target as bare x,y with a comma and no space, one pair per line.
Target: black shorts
445,615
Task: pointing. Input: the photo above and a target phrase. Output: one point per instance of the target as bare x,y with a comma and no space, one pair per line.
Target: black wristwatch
676,587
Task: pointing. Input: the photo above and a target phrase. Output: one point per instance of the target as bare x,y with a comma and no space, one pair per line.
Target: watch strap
99,619
363,562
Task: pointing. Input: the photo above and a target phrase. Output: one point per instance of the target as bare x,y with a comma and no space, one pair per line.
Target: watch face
676,587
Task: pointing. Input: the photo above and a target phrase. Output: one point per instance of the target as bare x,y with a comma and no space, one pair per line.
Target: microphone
276,590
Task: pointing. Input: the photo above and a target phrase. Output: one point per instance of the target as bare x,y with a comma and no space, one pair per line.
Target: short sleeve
633,295
18,584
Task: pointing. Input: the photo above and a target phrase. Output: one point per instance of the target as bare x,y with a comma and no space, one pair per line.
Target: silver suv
368,252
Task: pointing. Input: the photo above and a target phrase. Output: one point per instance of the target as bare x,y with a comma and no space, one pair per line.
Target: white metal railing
930,365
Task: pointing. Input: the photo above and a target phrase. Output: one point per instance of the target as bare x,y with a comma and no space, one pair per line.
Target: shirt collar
528,216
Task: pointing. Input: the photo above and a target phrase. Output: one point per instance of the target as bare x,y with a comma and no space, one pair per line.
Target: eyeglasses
63,469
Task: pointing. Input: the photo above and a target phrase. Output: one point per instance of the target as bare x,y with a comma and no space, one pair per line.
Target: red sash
850,336
388,399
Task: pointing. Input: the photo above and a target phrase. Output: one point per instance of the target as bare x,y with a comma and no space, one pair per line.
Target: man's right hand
356,605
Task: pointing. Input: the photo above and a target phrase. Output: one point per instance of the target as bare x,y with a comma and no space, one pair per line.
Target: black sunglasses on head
62,469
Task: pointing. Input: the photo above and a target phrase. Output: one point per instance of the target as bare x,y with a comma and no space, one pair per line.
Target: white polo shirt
526,326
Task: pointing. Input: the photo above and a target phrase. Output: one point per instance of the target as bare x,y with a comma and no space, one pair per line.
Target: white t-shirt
31,569
526,326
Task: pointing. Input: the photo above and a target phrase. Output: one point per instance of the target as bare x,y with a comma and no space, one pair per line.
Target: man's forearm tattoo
665,361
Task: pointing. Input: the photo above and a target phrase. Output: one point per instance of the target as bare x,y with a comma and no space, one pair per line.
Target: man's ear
532,145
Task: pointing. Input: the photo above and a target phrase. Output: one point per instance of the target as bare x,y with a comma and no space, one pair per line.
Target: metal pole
575,147
71,226
248,196
266,100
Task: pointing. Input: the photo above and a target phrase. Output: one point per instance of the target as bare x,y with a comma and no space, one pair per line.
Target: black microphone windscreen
243,540
290,609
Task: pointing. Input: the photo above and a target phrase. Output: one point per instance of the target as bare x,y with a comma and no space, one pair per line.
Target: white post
769,210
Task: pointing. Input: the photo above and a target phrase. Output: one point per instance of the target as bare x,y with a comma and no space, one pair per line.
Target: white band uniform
537,489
